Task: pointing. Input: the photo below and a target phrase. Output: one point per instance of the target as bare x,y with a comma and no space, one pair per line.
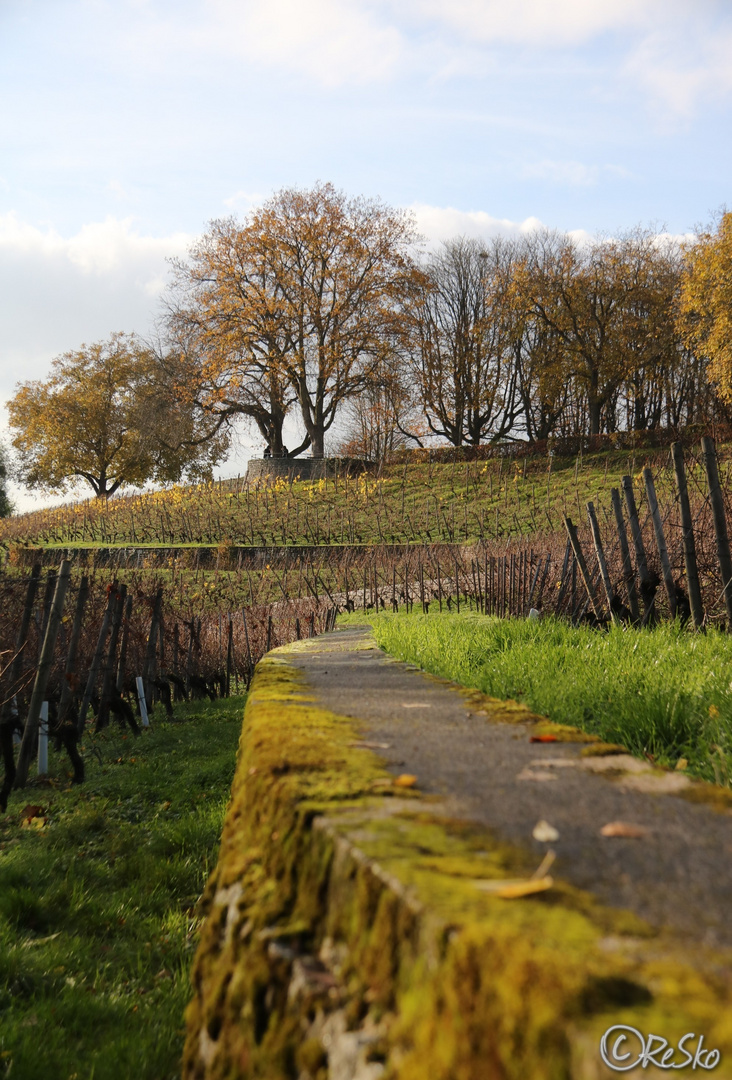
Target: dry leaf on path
536,774
544,832
623,828
405,780
543,738
514,889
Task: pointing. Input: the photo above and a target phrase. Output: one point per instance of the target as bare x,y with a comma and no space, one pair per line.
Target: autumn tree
302,301
608,304
705,304
107,415
461,358
228,343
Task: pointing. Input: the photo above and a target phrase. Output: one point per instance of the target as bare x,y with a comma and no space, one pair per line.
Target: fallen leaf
405,780
33,817
544,832
623,828
682,763
543,738
514,889
536,774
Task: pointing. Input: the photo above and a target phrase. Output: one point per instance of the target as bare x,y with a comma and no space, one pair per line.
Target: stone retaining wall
304,468
351,932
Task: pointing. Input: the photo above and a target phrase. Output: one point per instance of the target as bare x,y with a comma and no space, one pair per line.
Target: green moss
315,856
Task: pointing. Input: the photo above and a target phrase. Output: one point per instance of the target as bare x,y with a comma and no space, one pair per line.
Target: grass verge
97,905
665,693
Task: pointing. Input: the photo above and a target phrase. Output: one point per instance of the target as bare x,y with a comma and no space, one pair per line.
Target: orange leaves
33,817
405,780
623,829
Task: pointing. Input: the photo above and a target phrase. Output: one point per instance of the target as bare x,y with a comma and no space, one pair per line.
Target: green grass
97,909
665,692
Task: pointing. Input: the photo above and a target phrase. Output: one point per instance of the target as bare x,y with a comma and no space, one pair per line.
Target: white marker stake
43,740
141,699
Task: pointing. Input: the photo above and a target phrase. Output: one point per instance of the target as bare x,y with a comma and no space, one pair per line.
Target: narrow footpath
677,874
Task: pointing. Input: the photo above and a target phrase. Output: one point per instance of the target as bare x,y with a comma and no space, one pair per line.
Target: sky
127,125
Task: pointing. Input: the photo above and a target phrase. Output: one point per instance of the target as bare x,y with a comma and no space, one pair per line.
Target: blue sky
125,126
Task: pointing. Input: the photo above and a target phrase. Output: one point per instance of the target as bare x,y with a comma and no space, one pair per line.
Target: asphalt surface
678,875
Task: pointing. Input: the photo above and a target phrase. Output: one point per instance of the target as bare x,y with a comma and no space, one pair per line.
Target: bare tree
462,359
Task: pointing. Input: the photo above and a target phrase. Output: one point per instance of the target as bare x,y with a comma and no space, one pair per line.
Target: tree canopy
299,304
108,415
705,309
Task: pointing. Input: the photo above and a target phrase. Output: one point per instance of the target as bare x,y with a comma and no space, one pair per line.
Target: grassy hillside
98,892
403,504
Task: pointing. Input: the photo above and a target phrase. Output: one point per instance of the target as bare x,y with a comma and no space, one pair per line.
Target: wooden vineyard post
687,535
534,581
269,633
597,541
108,678
67,686
439,580
668,579
189,656
148,670
720,524
250,666
229,656
545,575
297,629
126,619
6,731
42,674
628,575
96,661
580,559
46,608
646,580
564,577
457,584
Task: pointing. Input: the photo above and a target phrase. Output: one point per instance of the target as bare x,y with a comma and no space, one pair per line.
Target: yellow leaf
405,780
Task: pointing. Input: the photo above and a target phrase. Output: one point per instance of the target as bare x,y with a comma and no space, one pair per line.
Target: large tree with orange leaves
299,305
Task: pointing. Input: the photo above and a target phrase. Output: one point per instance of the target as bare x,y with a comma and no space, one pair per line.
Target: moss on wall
346,934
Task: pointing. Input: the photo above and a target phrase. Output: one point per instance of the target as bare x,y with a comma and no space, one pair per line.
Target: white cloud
572,173
675,52
537,22
439,223
331,41
681,67
57,292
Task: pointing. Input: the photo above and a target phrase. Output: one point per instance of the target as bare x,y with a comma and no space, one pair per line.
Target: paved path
679,874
